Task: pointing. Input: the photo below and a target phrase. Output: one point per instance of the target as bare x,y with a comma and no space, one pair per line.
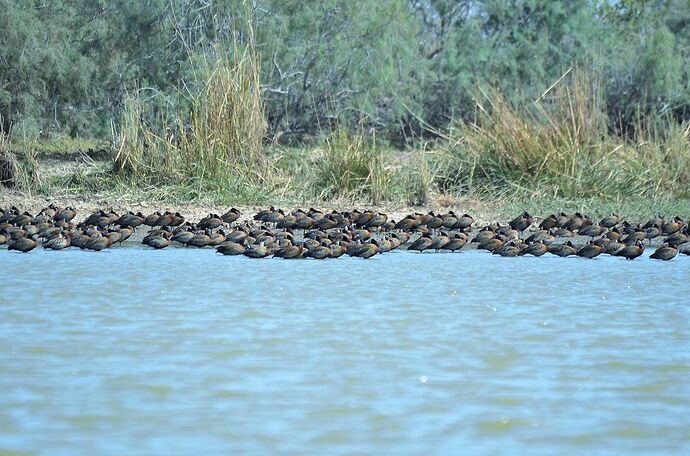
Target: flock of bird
320,235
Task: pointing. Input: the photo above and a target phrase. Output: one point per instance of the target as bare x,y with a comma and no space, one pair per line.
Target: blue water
184,351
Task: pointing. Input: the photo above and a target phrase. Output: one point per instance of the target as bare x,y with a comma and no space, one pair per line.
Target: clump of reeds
561,145
18,170
218,137
352,166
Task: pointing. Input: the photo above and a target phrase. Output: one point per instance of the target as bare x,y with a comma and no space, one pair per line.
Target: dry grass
221,135
561,146
353,167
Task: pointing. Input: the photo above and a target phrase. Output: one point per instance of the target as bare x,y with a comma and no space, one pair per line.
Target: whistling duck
590,250
231,248
610,221
25,244
630,252
666,252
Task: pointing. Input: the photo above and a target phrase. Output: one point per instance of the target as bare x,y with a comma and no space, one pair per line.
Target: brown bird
563,250
672,226
257,251
210,222
521,222
456,242
590,250
25,244
549,222
231,215
666,252
630,252
59,242
610,221
592,231
318,253
422,243
231,248
464,222
66,215
160,242
536,249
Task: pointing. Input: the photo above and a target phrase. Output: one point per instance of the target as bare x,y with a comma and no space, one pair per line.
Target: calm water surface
185,351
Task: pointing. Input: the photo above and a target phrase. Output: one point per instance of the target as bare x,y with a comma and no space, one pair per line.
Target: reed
218,137
19,170
351,166
562,146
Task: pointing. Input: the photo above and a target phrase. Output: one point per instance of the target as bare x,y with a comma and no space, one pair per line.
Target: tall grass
19,170
561,145
218,137
352,166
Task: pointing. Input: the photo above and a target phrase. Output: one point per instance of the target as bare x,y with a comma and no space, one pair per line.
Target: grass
557,154
218,139
561,146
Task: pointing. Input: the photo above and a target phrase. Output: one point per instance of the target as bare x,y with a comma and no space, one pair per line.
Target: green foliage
67,67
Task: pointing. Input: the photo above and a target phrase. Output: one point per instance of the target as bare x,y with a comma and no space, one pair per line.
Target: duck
652,232
24,244
658,221
263,214
200,239
65,215
274,217
630,252
666,252
379,219
217,238
166,219
521,222
590,250
610,221
493,243
369,250
291,251
592,231
257,251
210,222
464,222
59,242
231,215
151,219
672,226
318,253
385,245
160,241
679,237
422,243
439,242
433,221
613,247
338,250
549,222
536,249
576,222
98,243
231,248
510,249
130,219
562,250
456,242
409,223
24,218
484,235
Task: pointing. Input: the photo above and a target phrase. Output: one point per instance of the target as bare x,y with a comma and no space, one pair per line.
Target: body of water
184,351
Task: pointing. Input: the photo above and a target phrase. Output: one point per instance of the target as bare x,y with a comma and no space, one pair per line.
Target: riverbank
80,175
